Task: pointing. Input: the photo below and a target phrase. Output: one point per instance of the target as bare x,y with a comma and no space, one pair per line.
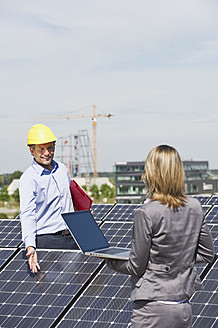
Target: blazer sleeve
140,250
205,248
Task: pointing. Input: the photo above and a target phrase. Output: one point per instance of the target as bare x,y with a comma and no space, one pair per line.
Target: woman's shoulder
149,206
193,203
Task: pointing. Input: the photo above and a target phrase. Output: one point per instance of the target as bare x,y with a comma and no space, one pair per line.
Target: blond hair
164,176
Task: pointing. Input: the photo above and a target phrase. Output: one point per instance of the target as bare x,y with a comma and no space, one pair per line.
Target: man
44,195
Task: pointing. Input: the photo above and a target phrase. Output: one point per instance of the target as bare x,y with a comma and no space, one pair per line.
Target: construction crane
94,117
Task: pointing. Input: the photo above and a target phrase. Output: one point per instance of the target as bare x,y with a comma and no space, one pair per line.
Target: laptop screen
85,230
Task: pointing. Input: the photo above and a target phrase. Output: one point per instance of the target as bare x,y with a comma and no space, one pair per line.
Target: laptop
89,237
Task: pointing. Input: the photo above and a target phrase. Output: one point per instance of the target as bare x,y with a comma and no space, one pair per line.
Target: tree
95,191
107,191
6,179
3,216
16,175
85,188
4,196
16,195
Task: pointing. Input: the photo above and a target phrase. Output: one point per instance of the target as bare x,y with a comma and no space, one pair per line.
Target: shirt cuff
30,241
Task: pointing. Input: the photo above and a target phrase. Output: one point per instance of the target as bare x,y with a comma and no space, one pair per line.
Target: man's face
43,154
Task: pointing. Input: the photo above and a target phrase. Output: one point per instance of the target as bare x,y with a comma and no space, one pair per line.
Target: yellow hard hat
40,134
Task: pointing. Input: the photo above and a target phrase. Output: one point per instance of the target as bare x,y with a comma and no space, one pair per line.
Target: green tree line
104,194
5,197
7,178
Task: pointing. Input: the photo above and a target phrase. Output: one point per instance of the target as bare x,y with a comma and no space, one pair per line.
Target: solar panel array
73,290
33,300
105,303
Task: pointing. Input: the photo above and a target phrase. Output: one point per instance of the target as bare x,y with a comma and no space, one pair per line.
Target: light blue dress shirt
44,195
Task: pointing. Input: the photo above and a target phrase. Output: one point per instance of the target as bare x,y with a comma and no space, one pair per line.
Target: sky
152,63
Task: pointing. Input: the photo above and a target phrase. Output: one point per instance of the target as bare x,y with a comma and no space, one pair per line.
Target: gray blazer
165,245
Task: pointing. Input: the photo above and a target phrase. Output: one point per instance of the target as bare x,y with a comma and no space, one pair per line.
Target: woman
169,236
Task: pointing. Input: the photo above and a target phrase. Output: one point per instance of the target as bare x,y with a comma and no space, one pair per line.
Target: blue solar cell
82,324
10,322
205,323
91,315
119,325
28,322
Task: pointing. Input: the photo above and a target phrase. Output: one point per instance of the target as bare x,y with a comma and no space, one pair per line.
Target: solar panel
100,210
206,208
205,303
36,300
214,232
5,255
10,233
118,233
212,215
200,267
124,212
105,303
213,201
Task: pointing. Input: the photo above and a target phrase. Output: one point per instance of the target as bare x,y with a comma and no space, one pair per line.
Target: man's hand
32,259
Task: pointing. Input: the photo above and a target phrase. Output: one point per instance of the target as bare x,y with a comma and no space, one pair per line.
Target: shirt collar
41,170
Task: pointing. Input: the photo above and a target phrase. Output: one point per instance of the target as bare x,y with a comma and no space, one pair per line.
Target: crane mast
94,128
94,116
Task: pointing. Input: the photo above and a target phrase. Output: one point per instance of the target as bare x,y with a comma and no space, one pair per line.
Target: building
130,188
13,186
199,180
